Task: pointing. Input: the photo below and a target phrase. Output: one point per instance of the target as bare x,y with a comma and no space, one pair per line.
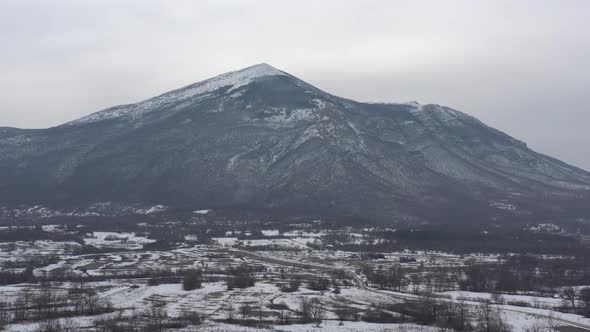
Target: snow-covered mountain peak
231,81
259,70
236,79
413,103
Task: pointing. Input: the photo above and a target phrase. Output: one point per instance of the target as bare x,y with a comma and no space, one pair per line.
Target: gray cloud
520,66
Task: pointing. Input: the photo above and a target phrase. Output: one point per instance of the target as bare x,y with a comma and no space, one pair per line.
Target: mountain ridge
263,138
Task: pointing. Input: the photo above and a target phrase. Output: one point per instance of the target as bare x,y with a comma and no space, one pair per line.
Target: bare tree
282,307
20,306
584,297
260,308
345,313
69,325
489,319
428,307
568,294
462,311
4,314
229,308
43,301
157,315
497,298
245,311
538,325
50,326
305,309
552,323
317,311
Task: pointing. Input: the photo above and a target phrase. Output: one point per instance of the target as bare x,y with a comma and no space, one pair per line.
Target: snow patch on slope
284,117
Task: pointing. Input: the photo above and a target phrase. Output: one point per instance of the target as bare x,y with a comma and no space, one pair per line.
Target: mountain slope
262,138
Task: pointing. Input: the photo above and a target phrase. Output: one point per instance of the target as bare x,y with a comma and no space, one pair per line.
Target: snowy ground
119,240
335,326
124,255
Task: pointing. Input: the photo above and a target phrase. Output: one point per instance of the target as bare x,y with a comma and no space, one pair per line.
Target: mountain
262,138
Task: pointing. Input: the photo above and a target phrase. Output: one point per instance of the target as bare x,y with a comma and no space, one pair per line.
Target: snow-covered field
123,240
335,326
134,279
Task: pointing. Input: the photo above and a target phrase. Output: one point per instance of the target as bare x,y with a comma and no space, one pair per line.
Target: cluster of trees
10,278
68,325
292,286
428,309
311,310
319,284
30,234
511,274
47,302
393,278
192,280
526,273
400,279
461,238
27,276
154,318
30,261
240,277
458,315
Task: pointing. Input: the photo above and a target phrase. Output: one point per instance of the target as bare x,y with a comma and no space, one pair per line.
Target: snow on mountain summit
231,80
235,79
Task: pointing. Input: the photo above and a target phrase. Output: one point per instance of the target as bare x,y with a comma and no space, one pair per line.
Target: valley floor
268,284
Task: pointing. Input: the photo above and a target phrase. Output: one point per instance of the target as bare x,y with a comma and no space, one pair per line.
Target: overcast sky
520,66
